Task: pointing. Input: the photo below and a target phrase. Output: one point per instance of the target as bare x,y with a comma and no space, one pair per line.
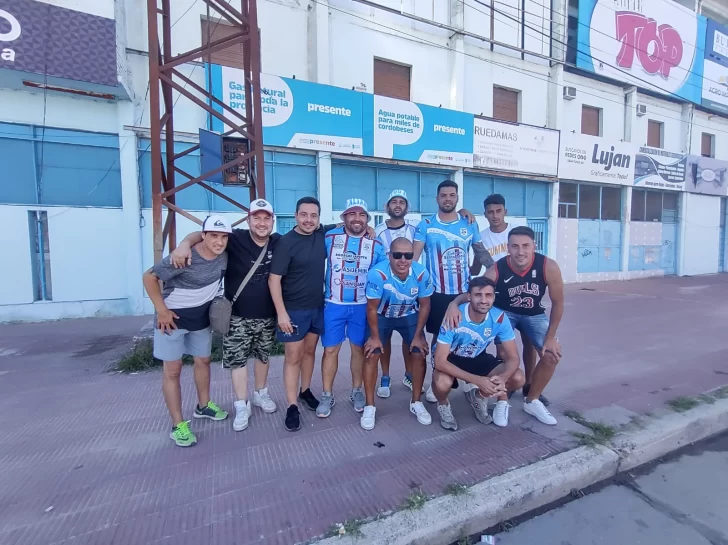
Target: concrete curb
446,519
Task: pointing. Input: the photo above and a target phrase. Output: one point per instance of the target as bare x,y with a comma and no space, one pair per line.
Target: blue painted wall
45,166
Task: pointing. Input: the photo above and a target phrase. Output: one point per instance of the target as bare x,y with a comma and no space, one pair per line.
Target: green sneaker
182,435
211,411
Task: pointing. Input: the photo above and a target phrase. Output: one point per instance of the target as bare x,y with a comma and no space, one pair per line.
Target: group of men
347,280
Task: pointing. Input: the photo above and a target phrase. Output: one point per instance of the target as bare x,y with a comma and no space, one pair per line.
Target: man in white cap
253,321
350,255
395,227
182,322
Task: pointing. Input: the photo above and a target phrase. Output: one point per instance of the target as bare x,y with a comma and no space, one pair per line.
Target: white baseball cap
216,224
353,204
260,205
397,193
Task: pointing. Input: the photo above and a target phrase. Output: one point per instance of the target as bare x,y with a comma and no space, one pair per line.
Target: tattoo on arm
482,255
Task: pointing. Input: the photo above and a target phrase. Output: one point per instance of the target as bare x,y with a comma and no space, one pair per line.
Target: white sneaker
262,399
500,414
368,417
384,392
418,409
537,409
242,415
430,395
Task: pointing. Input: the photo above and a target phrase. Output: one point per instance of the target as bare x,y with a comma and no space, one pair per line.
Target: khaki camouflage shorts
248,338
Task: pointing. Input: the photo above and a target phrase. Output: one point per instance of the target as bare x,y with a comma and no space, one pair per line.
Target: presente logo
658,47
8,54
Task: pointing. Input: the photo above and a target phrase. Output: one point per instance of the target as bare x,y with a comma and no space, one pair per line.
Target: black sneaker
293,418
308,398
542,399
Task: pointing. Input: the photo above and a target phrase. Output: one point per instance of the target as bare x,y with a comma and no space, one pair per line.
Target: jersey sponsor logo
338,245
348,256
533,273
350,270
414,291
530,289
453,260
349,284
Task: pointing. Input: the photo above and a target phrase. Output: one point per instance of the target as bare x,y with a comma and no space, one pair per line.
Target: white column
553,225
325,189
626,226
682,228
131,202
319,42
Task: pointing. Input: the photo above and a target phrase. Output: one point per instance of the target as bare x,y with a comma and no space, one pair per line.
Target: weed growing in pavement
601,433
350,527
720,393
683,403
416,500
705,398
455,489
465,541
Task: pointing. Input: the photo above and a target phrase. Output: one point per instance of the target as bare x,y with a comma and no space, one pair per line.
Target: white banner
515,148
594,159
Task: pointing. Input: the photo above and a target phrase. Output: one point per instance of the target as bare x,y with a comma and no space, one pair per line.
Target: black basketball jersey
521,293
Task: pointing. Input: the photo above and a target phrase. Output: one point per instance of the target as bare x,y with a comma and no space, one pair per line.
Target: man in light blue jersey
349,256
398,294
461,354
395,227
446,239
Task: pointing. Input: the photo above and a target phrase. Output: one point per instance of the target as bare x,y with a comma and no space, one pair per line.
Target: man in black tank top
522,279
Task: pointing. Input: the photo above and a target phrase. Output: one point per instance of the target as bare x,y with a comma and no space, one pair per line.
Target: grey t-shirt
188,291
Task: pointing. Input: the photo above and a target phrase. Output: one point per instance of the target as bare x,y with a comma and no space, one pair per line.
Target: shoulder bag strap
250,273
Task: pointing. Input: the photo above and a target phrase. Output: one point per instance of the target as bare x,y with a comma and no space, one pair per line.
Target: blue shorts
304,322
533,327
342,321
406,326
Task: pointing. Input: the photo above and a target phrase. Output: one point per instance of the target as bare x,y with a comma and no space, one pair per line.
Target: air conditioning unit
569,93
641,109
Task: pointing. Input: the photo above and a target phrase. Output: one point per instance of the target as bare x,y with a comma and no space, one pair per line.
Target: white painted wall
484,70
702,232
610,98
668,113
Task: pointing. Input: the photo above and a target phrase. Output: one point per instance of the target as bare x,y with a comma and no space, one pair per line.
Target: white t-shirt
386,235
496,243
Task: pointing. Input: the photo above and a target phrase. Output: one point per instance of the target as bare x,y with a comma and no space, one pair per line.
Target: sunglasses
407,255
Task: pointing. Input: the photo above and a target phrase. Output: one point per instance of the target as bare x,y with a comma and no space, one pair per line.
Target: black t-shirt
255,300
301,261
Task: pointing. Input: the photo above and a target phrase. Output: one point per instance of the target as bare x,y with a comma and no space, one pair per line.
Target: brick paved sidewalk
85,457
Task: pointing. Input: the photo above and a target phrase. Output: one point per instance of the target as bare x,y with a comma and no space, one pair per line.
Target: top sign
653,44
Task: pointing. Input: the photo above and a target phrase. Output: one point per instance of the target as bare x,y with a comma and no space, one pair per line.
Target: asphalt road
679,501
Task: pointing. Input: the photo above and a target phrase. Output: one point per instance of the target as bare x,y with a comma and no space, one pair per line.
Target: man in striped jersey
446,238
395,227
349,256
398,294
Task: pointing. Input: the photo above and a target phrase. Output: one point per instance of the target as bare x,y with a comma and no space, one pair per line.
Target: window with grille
231,56
655,133
391,79
591,120
505,104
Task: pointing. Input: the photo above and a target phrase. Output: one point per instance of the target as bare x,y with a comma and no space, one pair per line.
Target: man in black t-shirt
296,283
253,321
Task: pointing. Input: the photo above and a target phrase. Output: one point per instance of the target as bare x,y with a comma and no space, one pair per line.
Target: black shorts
481,365
438,308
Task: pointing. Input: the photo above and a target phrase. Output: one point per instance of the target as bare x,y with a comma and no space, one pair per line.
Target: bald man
398,299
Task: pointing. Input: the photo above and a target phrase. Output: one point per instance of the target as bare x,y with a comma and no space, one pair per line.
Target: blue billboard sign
715,77
296,113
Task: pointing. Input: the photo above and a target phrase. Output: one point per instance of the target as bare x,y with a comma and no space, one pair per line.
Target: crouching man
461,353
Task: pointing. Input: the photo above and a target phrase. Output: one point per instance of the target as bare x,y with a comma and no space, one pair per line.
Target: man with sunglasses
398,299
